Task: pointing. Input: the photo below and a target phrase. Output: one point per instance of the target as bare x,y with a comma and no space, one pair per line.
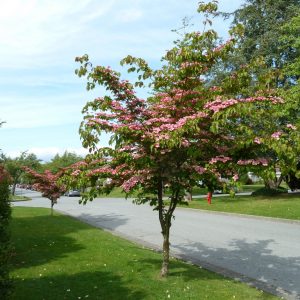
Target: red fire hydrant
209,196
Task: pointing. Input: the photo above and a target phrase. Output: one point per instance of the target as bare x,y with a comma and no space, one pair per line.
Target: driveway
263,252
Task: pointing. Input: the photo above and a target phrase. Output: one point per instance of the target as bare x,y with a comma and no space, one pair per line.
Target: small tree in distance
187,131
47,184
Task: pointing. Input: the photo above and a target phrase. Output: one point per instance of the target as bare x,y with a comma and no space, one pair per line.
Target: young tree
5,247
47,184
185,132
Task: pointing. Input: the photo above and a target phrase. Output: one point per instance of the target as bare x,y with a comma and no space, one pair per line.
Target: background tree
185,132
59,162
47,184
290,34
262,21
14,166
5,247
261,24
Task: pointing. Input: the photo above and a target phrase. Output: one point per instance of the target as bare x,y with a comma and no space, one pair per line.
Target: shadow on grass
41,238
254,260
85,285
177,268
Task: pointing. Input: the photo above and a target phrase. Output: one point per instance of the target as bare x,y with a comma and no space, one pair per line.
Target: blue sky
41,98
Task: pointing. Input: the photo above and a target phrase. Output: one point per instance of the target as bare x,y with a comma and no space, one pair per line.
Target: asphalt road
263,252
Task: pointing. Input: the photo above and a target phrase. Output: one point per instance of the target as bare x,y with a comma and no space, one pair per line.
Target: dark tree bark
273,184
165,216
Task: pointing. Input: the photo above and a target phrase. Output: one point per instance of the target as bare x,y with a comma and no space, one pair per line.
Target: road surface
263,252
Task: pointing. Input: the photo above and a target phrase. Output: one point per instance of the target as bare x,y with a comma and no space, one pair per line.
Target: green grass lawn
15,198
61,258
285,206
118,193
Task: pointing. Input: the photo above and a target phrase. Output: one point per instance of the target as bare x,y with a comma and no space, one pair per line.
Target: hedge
5,245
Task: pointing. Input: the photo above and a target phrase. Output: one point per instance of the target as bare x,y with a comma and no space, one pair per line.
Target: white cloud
29,29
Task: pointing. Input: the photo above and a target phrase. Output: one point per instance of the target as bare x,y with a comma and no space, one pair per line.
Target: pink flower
199,169
257,140
291,126
235,177
220,158
75,173
276,135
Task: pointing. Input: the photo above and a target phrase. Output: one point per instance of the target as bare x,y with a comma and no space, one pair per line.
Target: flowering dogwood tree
185,132
47,184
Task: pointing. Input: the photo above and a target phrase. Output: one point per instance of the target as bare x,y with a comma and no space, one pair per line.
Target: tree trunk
273,183
165,217
52,203
13,191
166,253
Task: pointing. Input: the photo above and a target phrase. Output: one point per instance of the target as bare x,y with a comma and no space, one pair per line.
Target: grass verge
285,206
61,258
14,198
118,193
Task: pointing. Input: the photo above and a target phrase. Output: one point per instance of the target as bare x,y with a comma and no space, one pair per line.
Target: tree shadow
85,285
177,268
43,238
40,239
250,262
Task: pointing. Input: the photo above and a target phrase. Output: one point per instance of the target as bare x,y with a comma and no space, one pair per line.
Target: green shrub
269,192
5,246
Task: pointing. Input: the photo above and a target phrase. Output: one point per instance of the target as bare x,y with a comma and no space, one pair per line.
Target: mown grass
285,206
61,258
15,198
118,193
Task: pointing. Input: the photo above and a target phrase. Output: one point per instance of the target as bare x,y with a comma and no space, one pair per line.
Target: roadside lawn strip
62,258
285,206
15,198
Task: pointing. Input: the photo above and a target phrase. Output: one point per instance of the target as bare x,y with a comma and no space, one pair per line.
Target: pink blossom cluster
291,126
47,184
105,123
102,170
276,135
75,173
129,184
220,104
199,169
190,64
105,115
175,126
235,177
128,148
253,162
159,120
220,158
185,143
257,140
79,164
138,155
